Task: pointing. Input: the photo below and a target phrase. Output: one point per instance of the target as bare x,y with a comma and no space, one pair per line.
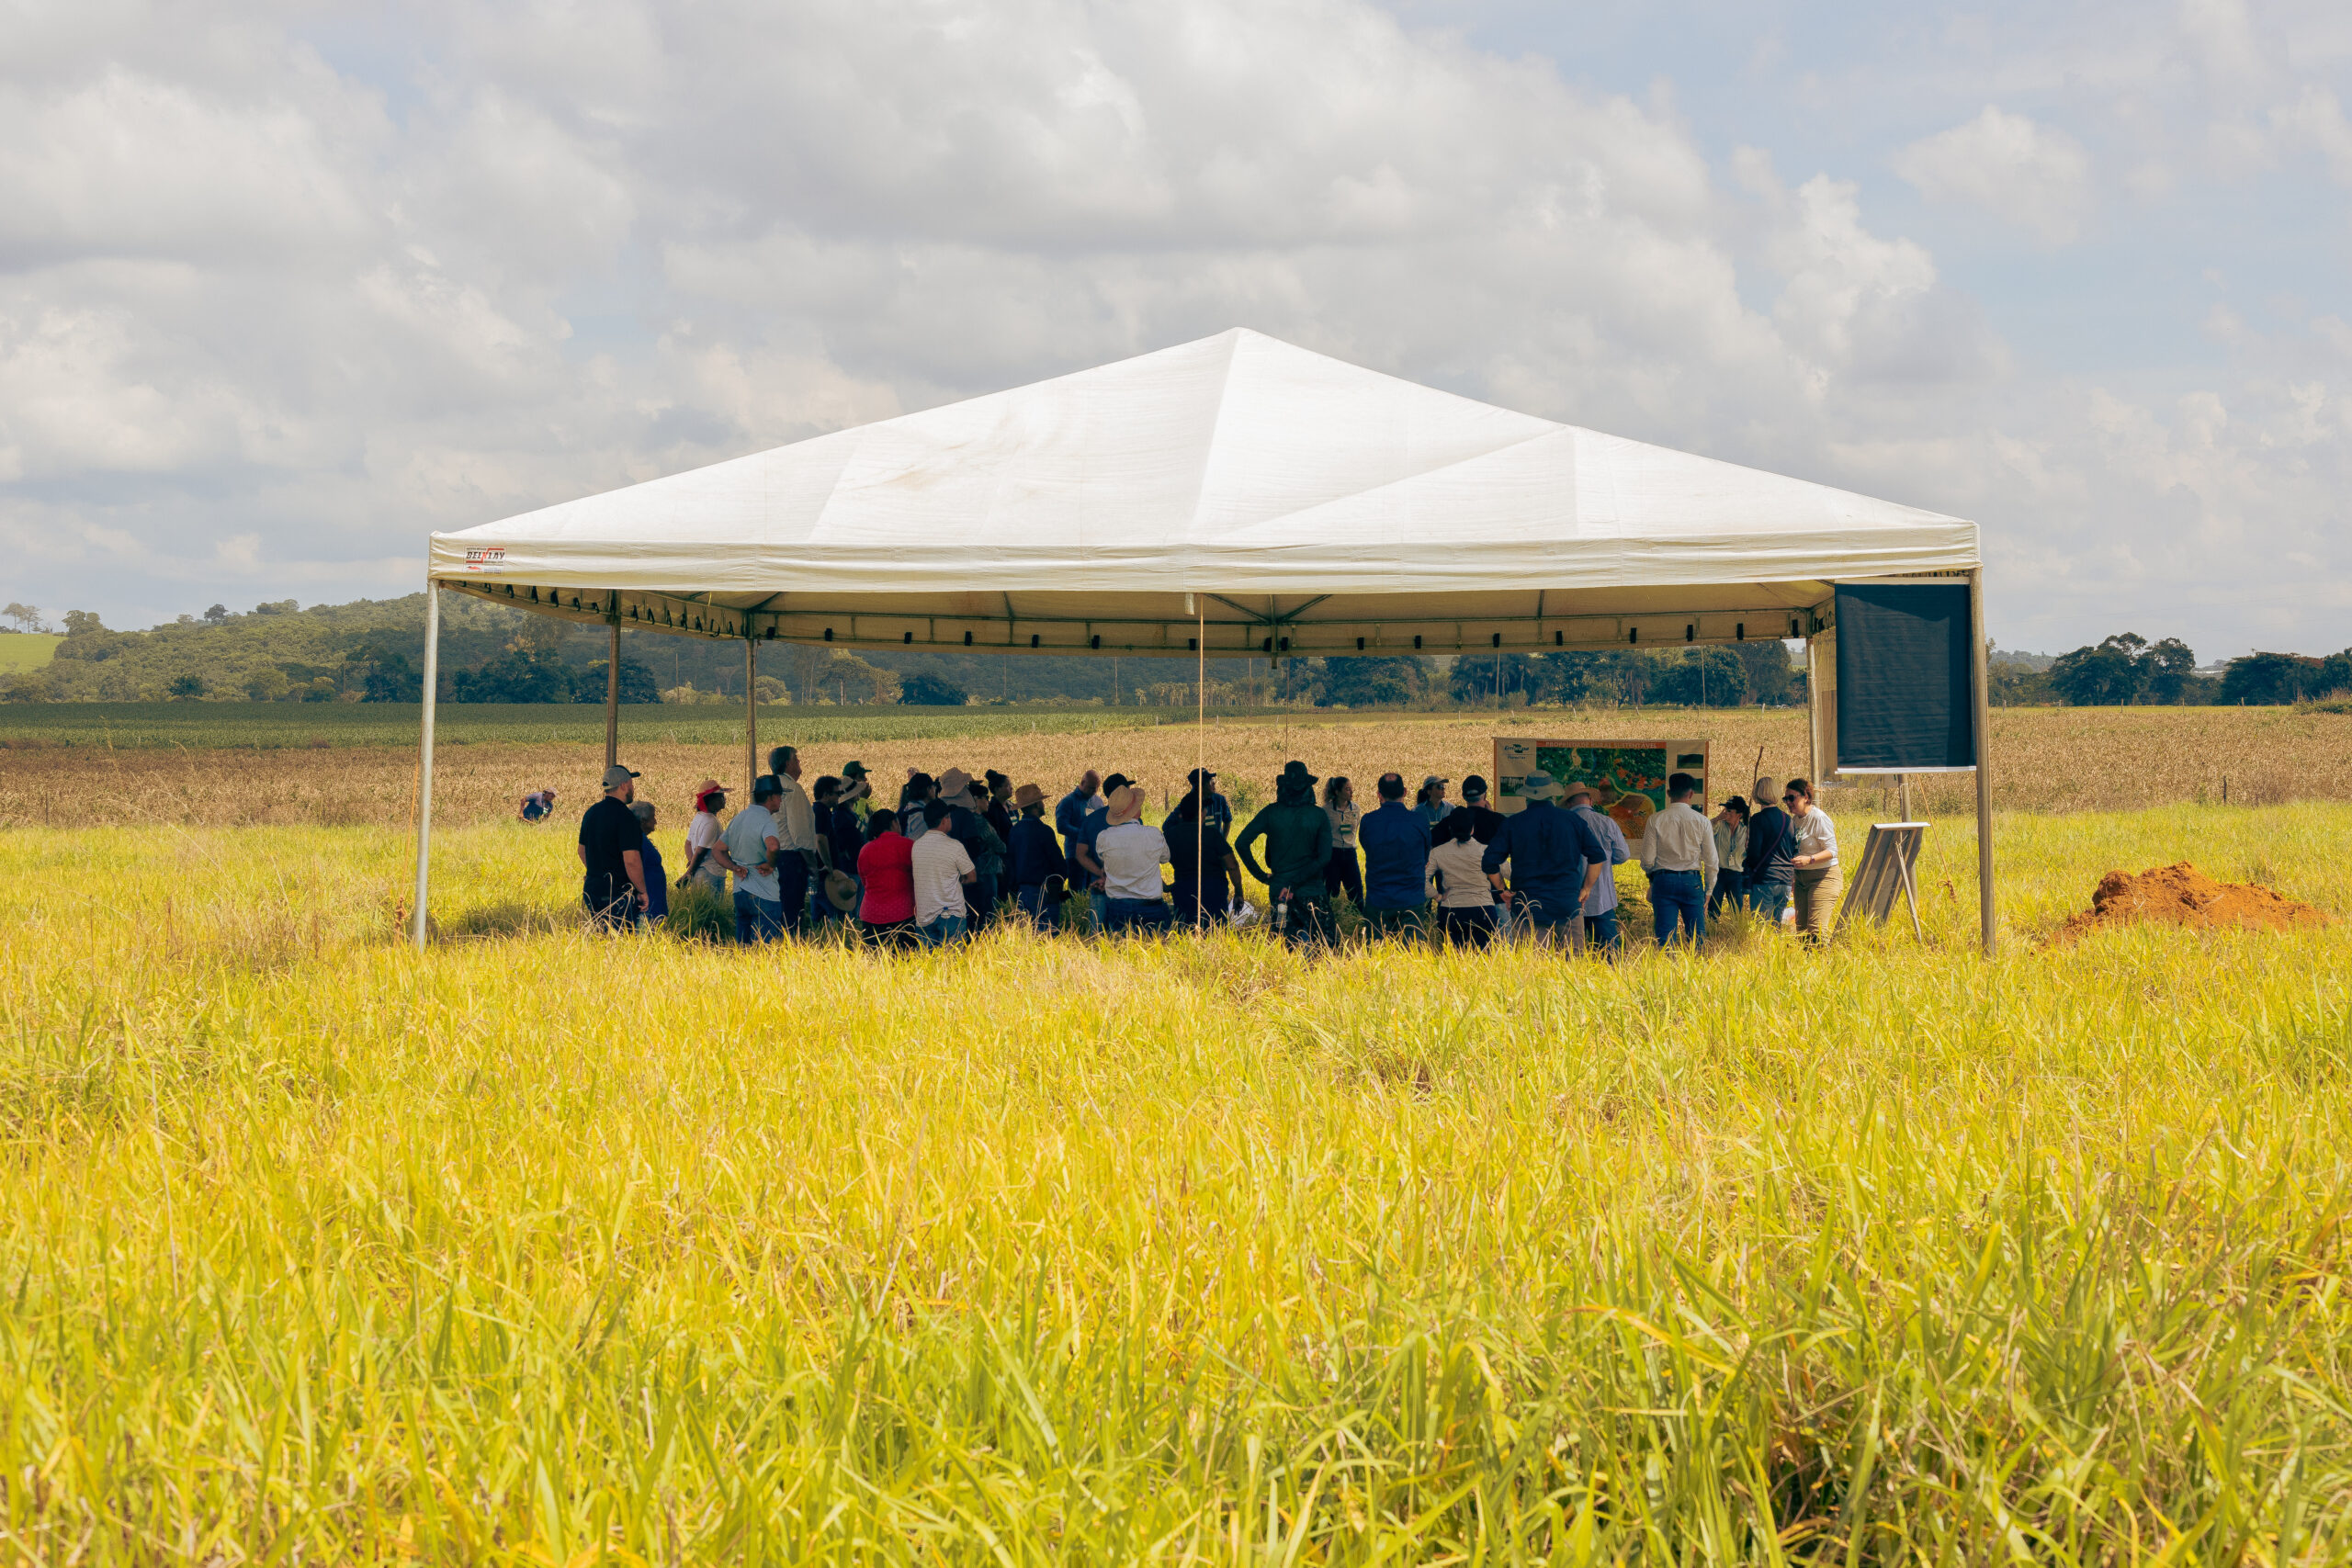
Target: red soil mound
2183,896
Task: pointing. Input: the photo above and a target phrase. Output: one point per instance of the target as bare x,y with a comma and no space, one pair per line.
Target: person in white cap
1431,801
612,858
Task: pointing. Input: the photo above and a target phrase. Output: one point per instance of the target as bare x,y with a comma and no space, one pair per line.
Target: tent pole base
1985,922
425,764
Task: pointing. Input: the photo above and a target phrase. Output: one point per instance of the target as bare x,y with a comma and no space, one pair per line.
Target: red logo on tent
480,557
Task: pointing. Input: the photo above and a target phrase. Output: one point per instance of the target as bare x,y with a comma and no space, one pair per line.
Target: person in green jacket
1299,847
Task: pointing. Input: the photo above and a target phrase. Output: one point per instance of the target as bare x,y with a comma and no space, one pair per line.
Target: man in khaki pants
1819,882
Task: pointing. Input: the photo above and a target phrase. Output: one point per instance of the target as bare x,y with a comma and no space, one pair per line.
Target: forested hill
373,647
372,650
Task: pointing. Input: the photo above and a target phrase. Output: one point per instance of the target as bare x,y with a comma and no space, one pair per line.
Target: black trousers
792,885
1470,927
1343,874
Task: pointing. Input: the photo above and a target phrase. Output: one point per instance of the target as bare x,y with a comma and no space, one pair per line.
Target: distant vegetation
371,651
2127,670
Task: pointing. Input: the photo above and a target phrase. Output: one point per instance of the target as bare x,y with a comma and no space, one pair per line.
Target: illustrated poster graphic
1628,777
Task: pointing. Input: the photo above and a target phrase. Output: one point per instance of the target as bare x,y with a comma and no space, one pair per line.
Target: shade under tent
1236,497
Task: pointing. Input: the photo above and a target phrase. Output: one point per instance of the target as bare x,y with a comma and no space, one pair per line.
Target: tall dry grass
544,1249
2044,759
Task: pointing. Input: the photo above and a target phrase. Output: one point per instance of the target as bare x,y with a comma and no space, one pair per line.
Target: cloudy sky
284,288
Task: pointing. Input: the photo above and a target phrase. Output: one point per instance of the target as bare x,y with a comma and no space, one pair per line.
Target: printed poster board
1628,777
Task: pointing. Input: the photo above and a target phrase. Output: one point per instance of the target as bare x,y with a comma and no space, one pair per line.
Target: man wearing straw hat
1131,852
1033,862
1554,860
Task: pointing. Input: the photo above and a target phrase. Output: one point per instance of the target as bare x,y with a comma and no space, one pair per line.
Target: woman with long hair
1818,879
1345,871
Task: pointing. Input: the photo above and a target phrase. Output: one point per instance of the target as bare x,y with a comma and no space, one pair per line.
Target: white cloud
270,309
2315,121
2034,176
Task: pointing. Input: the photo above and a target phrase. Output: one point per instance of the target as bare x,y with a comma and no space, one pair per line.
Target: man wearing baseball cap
855,787
1554,860
1216,813
612,859
1431,801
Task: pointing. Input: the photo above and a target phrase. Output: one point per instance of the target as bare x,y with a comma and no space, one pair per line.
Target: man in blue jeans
1771,870
1554,860
1600,904
1395,841
754,844
1678,853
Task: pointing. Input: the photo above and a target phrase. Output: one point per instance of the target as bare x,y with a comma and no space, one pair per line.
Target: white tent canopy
1232,497
1314,506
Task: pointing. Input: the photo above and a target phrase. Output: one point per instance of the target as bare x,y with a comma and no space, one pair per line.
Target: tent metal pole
1812,716
613,696
424,763
751,718
1201,765
1984,765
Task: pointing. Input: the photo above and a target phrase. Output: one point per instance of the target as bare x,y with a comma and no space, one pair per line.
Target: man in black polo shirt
612,844
1484,819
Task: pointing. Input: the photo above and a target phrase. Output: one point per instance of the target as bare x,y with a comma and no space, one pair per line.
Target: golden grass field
544,1248
2044,759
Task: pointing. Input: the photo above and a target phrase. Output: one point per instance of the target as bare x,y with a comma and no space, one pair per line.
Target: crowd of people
959,853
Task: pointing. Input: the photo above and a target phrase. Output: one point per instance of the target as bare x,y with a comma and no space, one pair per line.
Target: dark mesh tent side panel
1904,703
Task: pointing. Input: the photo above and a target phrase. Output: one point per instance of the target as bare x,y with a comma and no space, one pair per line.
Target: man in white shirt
797,831
1131,852
1678,853
942,867
750,844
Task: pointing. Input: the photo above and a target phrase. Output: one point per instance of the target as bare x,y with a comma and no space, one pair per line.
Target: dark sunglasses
1788,800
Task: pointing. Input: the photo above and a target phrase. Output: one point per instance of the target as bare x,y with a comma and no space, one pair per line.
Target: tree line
2127,670
368,651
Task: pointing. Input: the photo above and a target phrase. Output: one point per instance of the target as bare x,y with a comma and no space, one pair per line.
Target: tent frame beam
1169,636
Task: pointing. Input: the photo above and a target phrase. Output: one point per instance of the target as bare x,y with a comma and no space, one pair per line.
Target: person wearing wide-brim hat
1208,877
1298,836
1600,901
1554,859
1131,852
1033,862
969,827
707,861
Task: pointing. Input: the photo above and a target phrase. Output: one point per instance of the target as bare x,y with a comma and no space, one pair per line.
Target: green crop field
542,1248
20,652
